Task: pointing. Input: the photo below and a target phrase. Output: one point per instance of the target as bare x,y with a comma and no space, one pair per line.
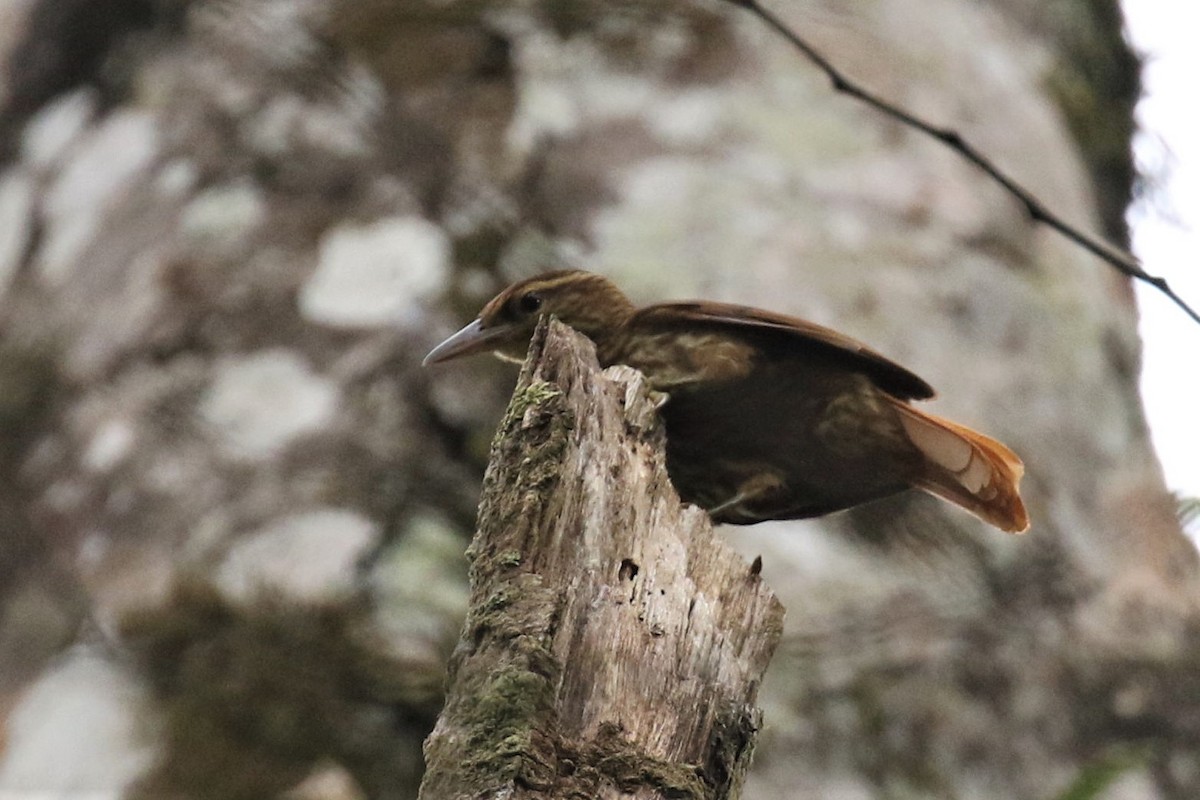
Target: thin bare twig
1124,262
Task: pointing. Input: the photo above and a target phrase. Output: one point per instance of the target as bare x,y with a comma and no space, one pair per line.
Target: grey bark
614,645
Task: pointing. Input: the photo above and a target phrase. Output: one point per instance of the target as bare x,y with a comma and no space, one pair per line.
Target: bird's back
770,417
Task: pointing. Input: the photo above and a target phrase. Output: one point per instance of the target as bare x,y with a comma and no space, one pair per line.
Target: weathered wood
614,645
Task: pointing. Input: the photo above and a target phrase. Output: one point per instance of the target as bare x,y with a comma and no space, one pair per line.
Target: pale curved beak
471,339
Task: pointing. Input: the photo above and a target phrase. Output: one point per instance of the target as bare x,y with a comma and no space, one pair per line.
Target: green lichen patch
529,447
503,713
538,411
509,558
536,393
503,703
611,758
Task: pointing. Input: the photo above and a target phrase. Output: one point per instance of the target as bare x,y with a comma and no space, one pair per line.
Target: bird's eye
530,303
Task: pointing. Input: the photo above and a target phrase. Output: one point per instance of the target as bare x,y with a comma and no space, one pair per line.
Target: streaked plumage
768,417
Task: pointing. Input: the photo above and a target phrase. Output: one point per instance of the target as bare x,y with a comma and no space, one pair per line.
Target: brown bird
767,416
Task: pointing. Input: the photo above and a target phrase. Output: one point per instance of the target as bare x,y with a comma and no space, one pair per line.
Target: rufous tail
968,469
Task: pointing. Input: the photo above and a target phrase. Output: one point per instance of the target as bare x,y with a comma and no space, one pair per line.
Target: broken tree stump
614,644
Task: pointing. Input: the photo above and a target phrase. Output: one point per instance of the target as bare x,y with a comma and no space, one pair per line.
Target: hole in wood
628,570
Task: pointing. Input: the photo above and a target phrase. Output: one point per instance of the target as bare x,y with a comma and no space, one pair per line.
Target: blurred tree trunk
234,506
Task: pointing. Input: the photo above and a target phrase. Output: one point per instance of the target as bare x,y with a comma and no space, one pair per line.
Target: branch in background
1122,261
614,645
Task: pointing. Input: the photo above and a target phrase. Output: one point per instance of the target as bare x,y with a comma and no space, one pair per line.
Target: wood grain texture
615,645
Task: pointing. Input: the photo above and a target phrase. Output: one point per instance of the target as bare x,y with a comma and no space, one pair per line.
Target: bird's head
589,303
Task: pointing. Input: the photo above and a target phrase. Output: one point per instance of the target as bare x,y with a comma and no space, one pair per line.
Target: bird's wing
791,333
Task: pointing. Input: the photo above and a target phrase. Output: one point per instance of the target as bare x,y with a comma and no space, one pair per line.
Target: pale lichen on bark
614,645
